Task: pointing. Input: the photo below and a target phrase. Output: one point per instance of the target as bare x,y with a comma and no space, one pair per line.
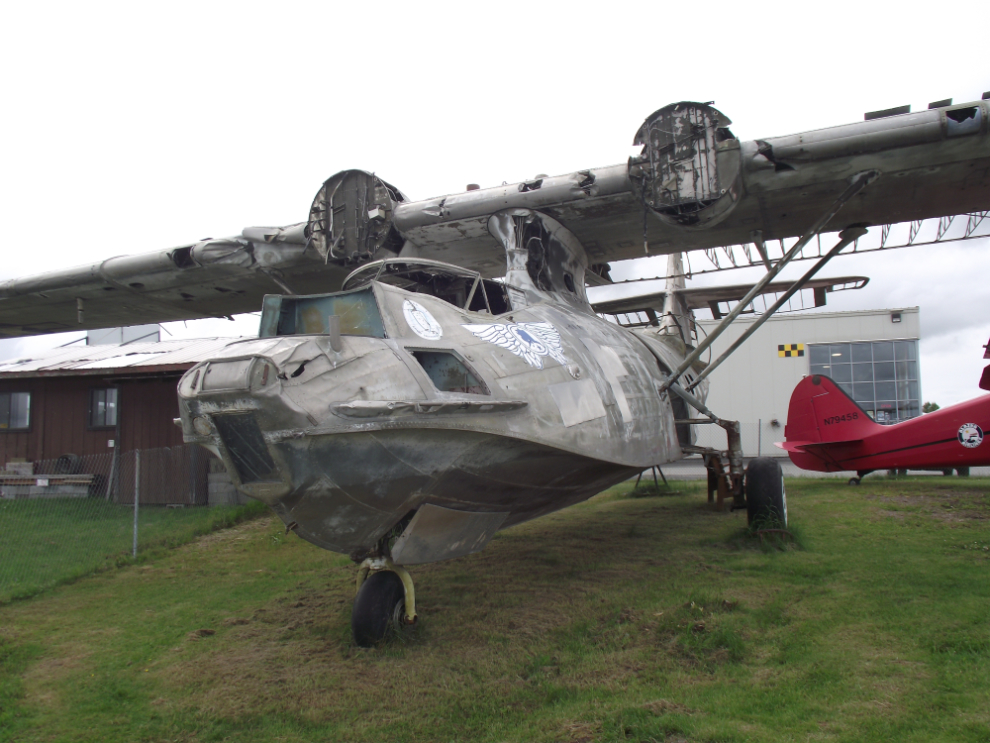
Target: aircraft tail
821,413
677,317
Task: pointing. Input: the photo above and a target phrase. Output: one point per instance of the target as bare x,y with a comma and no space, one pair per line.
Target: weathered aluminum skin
360,437
717,192
348,479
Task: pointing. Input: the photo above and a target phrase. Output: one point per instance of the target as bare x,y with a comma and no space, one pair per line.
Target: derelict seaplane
455,379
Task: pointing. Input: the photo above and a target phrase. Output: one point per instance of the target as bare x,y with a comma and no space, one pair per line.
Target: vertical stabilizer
820,412
676,316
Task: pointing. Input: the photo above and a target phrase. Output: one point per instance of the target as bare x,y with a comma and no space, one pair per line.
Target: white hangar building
871,354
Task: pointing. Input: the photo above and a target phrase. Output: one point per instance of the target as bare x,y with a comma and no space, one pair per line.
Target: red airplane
826,431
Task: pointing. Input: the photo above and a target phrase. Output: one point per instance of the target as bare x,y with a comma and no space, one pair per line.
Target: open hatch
460,287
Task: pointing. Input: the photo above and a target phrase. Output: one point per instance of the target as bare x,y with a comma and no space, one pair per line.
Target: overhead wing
694,186
712,296
213,278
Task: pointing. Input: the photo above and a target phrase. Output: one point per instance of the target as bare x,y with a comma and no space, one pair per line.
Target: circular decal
970,435
421,321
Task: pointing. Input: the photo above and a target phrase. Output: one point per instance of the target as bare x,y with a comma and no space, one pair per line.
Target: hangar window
15,411
881,376
103,408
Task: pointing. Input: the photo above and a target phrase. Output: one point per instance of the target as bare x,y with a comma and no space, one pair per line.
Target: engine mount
351,217
688,172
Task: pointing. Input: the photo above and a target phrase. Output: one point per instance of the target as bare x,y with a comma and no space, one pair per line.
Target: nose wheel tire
378,609
766,501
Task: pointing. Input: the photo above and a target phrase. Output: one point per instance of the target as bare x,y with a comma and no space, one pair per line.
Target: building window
103,408
882,376
15,411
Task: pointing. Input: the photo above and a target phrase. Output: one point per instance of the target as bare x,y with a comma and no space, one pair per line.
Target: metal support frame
856,184
761,248
847,236
725,477
376,564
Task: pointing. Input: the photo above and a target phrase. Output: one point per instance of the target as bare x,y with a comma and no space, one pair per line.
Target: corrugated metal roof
133,357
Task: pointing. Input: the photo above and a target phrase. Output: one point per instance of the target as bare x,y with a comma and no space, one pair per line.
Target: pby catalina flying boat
432,371
828,432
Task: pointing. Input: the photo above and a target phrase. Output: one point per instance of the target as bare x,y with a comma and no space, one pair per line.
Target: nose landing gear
385,602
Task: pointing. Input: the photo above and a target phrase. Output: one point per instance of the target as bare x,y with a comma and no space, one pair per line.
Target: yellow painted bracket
376,564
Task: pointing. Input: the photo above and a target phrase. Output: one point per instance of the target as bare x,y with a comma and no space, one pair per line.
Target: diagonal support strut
856,184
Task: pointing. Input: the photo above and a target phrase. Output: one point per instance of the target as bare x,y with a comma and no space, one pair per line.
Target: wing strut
848,235
856,184
761,247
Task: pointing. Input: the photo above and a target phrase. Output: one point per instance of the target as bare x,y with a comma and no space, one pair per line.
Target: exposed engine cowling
688,172
351,217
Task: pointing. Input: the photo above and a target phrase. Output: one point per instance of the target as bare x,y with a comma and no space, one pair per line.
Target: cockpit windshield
310,315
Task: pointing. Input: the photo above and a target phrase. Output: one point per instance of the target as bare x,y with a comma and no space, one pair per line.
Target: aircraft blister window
449,374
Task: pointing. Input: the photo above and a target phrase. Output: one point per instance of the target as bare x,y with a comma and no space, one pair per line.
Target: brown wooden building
81,403
78,400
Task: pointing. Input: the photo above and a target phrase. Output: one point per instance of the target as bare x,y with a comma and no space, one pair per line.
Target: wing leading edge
694,184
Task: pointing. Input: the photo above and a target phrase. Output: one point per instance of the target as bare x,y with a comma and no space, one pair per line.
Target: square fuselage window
103,408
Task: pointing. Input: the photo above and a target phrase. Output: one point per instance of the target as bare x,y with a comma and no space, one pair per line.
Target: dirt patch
241,531
580,732
664,706
947,505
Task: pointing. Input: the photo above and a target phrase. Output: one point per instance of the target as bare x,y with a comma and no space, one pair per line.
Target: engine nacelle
351,217
688,173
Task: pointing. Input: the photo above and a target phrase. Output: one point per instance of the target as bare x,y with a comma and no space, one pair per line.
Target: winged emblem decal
531,341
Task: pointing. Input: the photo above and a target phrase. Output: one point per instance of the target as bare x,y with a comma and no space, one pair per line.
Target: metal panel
578,401
437,533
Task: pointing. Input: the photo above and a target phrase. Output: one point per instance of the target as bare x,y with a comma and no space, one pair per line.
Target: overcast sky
130,127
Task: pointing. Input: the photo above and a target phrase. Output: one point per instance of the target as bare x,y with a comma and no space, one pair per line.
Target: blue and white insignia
421,322
531,341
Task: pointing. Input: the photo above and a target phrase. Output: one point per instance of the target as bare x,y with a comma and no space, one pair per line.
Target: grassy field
47,542
622,619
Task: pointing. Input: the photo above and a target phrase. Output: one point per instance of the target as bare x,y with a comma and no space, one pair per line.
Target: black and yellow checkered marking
791,349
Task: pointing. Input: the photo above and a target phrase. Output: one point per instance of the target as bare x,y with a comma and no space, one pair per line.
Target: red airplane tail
821,413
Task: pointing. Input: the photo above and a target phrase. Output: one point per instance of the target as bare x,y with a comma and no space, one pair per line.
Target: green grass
47,542
621,619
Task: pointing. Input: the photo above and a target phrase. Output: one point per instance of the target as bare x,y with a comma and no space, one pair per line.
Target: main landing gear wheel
766,501
378,609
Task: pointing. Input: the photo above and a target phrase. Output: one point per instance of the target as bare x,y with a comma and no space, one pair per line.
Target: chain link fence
64,518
